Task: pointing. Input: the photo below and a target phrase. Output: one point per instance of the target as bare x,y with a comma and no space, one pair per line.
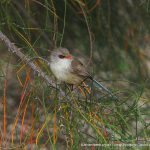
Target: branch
16,51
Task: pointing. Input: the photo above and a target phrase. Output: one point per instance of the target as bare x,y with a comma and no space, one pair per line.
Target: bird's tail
99,86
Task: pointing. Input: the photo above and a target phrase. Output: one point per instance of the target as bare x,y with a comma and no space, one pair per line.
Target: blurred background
114,36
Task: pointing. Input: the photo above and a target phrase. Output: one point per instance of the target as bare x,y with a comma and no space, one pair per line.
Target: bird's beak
68,57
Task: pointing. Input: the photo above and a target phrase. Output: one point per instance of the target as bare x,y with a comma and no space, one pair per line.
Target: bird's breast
62,71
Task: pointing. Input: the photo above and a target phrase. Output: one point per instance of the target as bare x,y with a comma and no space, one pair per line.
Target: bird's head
61,54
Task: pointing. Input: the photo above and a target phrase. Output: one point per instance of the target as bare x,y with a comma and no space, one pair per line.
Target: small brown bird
69,69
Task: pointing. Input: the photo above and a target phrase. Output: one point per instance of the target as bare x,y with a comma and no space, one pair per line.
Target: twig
16,51
90,36
33,21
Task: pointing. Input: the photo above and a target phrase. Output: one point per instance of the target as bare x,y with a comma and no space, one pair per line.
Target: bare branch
16,51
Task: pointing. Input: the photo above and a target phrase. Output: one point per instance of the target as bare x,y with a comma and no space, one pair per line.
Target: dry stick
12,48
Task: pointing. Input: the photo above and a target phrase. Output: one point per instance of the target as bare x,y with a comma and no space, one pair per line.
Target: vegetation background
113,35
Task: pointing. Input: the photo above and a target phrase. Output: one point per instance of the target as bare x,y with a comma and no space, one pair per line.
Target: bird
70,69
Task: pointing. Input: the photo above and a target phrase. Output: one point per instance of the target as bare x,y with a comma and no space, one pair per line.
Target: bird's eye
61,56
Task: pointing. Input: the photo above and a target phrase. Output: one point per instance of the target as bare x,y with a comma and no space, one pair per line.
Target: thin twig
90,36
33,21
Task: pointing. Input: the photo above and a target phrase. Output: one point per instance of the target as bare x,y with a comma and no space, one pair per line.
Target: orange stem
86,88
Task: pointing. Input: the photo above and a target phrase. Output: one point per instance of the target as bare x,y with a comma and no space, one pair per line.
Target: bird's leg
70,87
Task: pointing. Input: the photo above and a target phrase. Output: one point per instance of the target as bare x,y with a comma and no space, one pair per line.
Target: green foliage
113,33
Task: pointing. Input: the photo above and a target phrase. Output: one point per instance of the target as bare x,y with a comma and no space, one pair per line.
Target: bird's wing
79,68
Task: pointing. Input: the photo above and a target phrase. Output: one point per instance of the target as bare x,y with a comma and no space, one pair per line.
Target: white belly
62,69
